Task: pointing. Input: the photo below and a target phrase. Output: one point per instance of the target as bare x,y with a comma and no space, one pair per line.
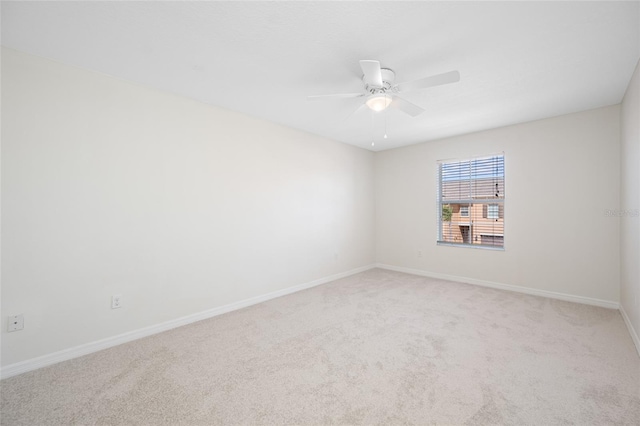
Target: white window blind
471,202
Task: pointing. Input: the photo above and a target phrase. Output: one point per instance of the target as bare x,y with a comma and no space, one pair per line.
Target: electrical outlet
116,301
419,253
16,323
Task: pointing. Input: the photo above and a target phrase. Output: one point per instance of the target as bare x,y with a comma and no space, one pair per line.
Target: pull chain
372,133
385,124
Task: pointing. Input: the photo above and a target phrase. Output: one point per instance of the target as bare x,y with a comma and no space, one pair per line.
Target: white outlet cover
116,301
16,323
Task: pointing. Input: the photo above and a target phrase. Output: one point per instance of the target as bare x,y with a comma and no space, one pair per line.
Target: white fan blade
406,106
355,111
434,80
336,96
372,73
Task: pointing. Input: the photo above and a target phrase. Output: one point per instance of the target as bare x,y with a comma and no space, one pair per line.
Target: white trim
632,331
87,348
518,289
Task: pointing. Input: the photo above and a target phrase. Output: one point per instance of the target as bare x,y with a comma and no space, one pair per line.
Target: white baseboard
88,348
632,331
508,287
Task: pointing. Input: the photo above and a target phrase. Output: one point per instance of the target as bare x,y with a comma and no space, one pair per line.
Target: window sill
473,246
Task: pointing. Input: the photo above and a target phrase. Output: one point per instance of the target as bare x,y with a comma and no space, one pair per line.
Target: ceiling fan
381,92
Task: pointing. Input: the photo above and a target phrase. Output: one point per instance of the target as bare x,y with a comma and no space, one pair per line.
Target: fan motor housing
388,77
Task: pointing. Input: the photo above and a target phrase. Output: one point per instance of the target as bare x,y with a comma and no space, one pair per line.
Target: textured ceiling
518,61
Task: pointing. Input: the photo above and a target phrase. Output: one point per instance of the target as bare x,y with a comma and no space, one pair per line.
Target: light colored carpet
379,347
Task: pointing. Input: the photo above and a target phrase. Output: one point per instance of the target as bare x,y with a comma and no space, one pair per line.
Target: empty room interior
320,213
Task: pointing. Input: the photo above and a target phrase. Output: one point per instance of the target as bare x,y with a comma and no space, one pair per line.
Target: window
492,211
471,202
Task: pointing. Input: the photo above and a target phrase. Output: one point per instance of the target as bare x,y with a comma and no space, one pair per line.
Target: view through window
471,201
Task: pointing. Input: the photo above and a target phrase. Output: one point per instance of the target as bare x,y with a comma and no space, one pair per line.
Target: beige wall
561,174
113,188
630,201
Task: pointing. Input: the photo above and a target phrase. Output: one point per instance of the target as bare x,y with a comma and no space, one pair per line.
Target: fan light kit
378,102
381,92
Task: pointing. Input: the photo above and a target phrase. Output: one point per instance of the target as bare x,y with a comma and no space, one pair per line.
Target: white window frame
466,197
466,209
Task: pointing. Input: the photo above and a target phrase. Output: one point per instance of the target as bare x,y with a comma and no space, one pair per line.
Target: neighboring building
480,222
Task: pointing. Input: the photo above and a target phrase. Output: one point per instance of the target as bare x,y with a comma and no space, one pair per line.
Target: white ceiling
518,61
